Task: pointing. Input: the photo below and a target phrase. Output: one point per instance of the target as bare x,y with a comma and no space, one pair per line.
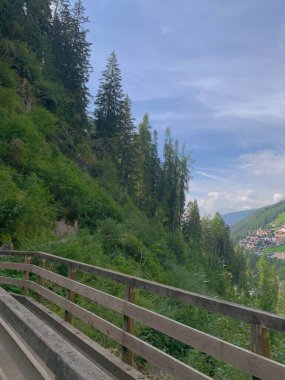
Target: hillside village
261,239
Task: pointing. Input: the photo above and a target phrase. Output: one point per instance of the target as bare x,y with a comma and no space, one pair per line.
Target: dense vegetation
104,173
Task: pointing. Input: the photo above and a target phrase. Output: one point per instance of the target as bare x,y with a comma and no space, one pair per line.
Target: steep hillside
104,175
259,219
234,217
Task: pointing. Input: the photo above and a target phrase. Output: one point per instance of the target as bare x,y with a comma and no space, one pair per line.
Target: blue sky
214,72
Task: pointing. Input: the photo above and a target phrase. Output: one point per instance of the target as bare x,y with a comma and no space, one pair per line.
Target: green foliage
55,163
267,285
281,300
278,248
26,207
10,103
109,103
279,220
146,180
10,203
50,95
191,227
19,56
169,345
8,77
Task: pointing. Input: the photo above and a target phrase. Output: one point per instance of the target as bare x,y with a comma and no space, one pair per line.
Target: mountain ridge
235,216
258,219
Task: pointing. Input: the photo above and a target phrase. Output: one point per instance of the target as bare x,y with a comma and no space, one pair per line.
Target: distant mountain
234,217
260,218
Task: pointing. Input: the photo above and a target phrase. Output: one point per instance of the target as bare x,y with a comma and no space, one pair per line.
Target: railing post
129,324
26,276
260,341
70,295
41,281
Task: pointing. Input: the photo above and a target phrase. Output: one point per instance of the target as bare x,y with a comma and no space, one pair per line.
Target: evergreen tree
144,164
37,26
206,237
170,182
183,183
267,285
12,18
281,300
191,226
127,148
156,175
71,53
175,182
109,108
222,246
81,48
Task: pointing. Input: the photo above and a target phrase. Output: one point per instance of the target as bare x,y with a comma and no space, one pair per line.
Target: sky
214,72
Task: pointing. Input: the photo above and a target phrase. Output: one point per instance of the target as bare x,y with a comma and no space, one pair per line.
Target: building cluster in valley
261,239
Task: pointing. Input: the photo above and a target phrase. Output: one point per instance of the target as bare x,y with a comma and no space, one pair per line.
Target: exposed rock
27,94
63,228
6,247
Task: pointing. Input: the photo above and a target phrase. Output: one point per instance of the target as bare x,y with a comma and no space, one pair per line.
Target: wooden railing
256,362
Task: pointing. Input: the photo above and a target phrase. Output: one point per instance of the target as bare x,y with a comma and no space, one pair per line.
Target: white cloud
256,179
277,197
259,108
202,83
227,200
211,176
267,164
228,97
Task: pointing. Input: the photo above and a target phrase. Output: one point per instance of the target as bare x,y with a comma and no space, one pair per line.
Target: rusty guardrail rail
256,362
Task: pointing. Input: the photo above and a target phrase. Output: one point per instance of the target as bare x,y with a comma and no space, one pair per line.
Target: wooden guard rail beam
255,363
240,312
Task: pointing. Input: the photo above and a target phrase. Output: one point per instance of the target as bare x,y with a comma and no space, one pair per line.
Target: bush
8,77
26,207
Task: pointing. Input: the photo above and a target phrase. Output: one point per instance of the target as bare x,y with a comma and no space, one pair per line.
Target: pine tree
170,180
144,163
82,52
37,26
267,285
175,182
206,237
184,177
109,108
12,19
127,148
191,226
222,246
71,53
281,300
156,176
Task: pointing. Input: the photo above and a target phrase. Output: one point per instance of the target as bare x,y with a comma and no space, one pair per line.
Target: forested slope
100,171
234,217
58,162
261,218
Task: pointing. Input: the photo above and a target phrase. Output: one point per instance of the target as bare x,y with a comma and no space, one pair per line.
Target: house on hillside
280,235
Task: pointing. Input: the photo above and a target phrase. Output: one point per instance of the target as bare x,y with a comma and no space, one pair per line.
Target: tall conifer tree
72,61
175,182
127,147
109,108
191,226
143,178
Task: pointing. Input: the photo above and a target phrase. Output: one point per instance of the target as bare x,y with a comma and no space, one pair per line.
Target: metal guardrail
256,363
